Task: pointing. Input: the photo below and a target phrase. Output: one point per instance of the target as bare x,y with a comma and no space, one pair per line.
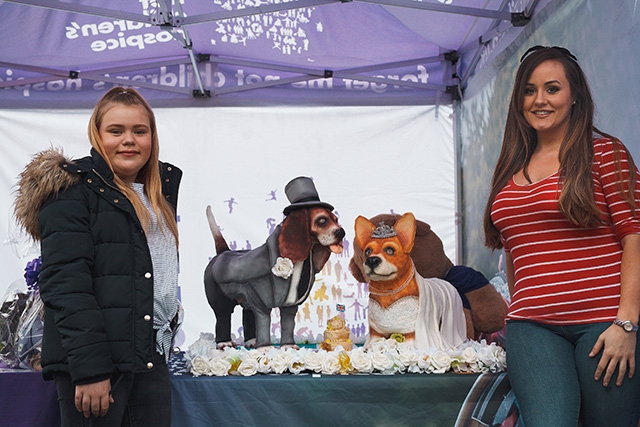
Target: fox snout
372,262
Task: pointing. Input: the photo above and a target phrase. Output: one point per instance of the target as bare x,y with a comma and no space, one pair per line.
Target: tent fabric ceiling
64,54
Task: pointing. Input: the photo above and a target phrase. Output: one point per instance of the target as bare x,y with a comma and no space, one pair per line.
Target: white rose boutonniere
283,268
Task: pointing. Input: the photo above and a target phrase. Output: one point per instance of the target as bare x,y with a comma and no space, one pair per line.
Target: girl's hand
618,350
94,399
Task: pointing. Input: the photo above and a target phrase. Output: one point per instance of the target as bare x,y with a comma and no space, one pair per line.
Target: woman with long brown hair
563,206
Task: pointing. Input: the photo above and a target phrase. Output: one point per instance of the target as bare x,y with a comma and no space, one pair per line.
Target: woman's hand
618,350
618,346
94,399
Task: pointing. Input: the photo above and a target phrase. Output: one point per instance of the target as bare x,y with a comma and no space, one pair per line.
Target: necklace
384,293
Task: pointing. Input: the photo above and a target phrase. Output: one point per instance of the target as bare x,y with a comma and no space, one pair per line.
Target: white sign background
364,161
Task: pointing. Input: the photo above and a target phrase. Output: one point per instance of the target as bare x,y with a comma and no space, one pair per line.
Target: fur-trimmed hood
40,179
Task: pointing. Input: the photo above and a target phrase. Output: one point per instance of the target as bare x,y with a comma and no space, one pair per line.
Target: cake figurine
336,334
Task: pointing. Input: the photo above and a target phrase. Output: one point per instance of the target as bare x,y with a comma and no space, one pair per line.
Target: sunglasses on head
563,50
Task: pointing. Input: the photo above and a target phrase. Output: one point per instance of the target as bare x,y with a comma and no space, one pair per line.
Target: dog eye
390,251
322,222
367,252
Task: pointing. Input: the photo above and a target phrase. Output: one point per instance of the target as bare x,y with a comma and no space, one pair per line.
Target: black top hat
302,193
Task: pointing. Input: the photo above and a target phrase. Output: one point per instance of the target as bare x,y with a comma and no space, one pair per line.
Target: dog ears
321,255
363,228
294,240
406,229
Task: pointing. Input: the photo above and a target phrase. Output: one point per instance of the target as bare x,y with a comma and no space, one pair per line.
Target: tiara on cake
383,231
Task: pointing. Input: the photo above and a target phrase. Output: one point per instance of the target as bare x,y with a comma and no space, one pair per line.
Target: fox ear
363,227
406,229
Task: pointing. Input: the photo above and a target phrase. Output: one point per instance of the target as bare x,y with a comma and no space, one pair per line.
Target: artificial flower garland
384,356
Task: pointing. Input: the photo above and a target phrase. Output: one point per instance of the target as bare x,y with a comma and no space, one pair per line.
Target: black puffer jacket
96,279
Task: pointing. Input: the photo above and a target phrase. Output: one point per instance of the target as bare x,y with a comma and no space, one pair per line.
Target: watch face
626,325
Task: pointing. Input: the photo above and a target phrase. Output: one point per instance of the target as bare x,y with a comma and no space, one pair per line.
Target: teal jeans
551,374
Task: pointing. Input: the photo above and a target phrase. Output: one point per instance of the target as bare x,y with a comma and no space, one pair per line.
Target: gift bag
22,321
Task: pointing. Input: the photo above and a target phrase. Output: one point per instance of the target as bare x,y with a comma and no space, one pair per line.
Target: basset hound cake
485,308
278,274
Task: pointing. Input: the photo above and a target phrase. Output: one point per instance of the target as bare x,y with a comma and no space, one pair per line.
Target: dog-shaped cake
426,311
485,308
278,274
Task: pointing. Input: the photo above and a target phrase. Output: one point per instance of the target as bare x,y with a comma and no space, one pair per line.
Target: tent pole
438,7
196,72
173,23
459,217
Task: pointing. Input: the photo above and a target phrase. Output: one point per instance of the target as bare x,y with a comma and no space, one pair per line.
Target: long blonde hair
149,175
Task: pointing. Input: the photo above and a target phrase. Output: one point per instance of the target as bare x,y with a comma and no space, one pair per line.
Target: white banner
364,161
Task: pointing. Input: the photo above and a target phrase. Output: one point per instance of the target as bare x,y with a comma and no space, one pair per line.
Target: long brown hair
577,199
149,175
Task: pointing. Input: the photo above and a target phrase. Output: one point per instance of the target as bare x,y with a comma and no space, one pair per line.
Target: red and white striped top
565,274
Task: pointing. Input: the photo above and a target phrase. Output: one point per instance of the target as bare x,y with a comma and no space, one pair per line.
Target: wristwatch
626,325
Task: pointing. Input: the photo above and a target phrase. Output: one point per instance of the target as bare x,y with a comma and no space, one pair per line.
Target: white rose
297,361
248,367
469,355
486,357
280,362
252,353
330,363
459,366
264,363
424,363
407,355
492,357
219,366
501,357
414,369
212,352
313,361
361,361
381,345
283,268
441,362
406,358
200,366
231,352
202,346
382,363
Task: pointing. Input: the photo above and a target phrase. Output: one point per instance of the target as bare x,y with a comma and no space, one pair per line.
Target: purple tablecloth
27,400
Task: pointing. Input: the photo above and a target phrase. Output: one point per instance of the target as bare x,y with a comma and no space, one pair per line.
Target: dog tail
218,239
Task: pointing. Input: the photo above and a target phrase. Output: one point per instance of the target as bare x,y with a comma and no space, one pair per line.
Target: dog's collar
386,293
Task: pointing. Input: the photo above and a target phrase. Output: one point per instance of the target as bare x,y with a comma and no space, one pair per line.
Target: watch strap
627,325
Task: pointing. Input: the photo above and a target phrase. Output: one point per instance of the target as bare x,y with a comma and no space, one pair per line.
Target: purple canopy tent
64,54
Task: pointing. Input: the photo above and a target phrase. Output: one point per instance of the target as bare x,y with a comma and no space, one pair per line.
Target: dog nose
340,233
372,262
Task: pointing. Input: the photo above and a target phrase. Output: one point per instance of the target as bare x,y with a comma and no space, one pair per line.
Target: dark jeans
551,374
141,400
